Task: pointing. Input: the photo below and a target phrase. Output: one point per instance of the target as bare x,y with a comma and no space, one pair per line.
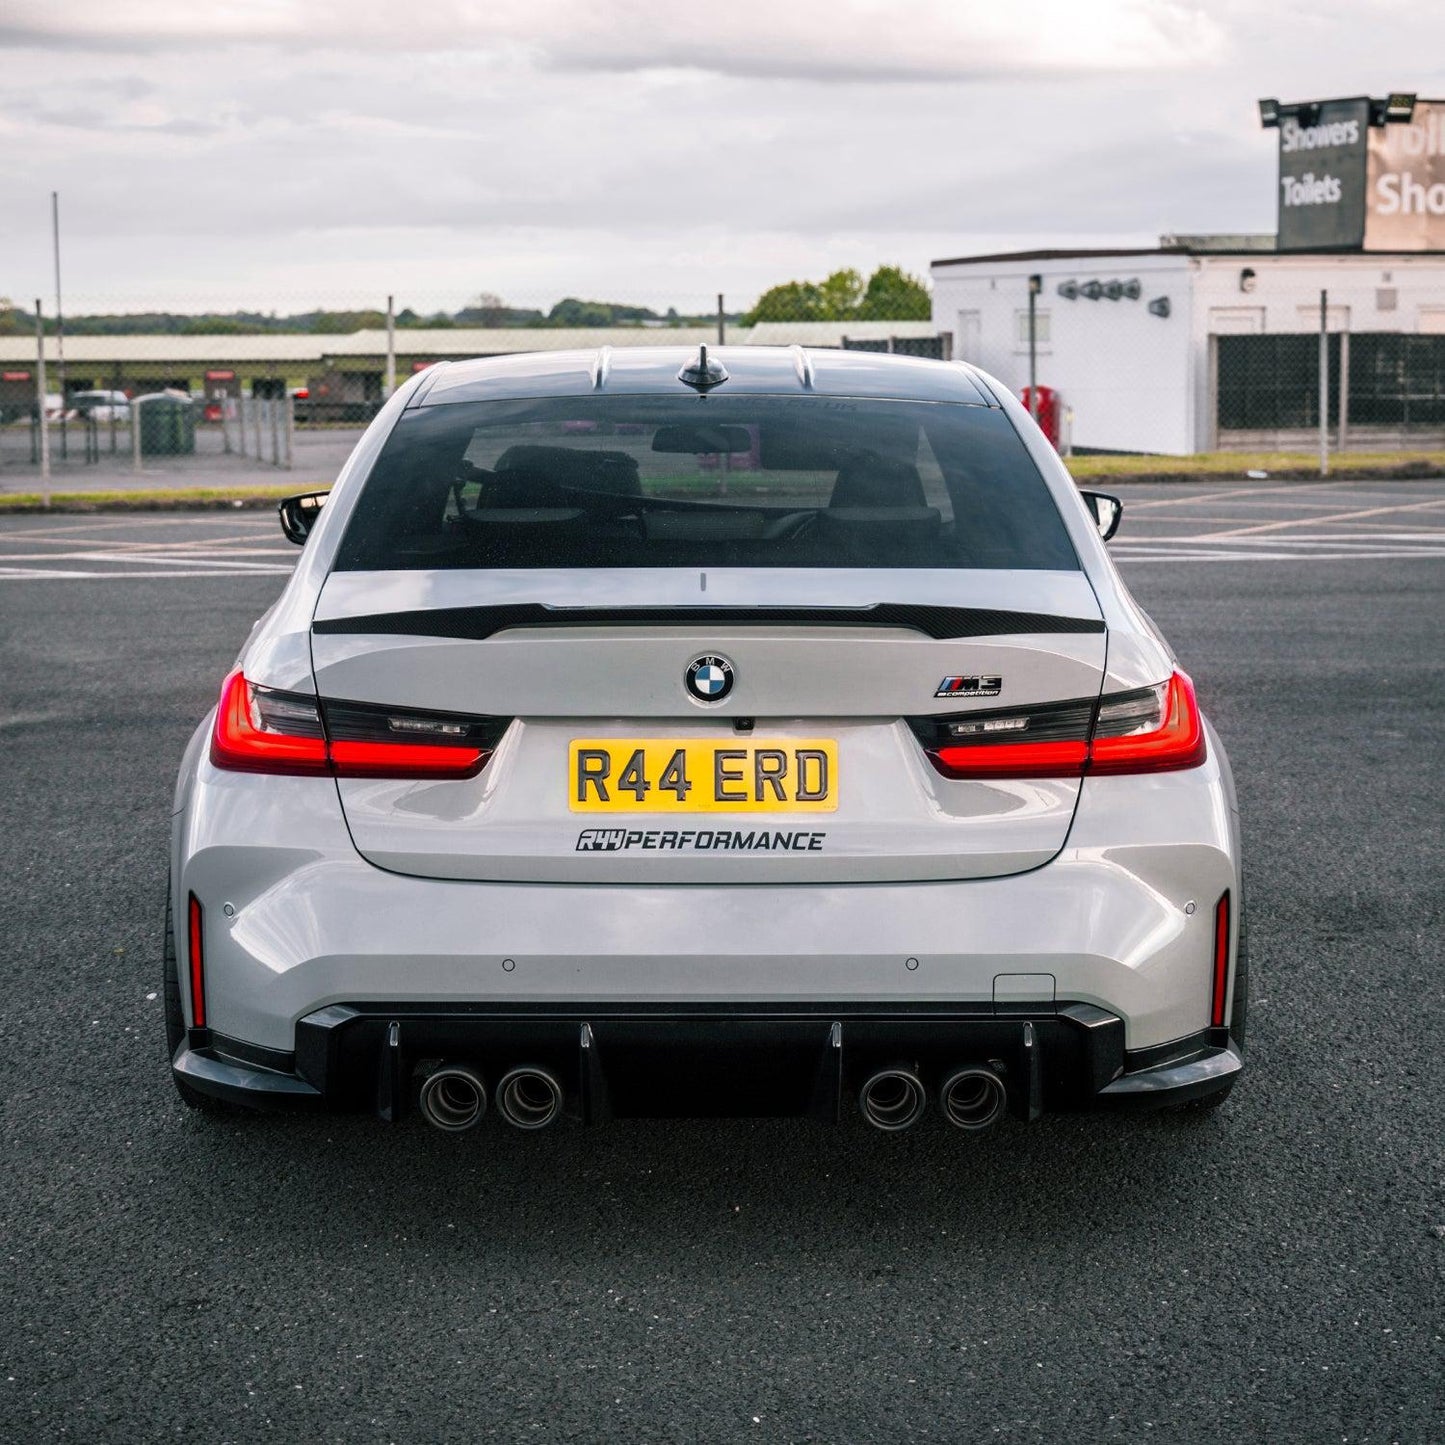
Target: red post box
1050,413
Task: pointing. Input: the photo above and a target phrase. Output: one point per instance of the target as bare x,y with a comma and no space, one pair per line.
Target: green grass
1288,465
157,498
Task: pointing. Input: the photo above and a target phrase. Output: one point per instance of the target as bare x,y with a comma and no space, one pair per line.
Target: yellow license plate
688,775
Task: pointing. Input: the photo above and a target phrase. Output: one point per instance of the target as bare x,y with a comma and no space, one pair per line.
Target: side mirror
298,515
1105,510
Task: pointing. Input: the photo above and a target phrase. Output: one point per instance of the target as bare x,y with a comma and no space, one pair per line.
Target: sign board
220,376
1322,178
1406,195
15,376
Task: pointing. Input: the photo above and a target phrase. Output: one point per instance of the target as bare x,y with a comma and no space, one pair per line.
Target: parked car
571,776
101,406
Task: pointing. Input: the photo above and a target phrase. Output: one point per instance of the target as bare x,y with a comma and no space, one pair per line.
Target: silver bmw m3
744,731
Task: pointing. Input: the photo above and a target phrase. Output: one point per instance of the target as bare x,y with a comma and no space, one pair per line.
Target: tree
792,301
894,295
840,294
890,295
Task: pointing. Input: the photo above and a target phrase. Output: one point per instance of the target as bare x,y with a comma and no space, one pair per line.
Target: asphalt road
1271,1272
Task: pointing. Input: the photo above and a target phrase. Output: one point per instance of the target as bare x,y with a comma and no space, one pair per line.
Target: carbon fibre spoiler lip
477,623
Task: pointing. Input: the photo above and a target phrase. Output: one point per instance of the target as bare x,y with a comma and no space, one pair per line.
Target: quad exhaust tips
892,1099
972,1098
452,1098
529,1098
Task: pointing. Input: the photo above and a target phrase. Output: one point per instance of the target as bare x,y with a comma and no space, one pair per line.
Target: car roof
652,371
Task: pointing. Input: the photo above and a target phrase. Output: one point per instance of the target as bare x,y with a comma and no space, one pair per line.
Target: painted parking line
41,574
1351,516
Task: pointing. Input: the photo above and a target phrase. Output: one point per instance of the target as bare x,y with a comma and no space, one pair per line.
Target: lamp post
1036,284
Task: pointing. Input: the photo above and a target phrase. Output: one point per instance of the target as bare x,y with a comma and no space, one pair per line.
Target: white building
1151,364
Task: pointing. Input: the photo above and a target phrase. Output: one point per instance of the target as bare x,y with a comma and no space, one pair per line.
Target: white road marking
1234,493
1318,521
37,574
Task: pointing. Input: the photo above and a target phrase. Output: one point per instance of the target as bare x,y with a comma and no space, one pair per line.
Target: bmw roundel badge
709,679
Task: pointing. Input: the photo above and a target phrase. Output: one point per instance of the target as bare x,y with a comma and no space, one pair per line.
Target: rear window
704,481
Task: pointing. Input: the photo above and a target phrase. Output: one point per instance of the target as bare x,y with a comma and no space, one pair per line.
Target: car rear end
631,745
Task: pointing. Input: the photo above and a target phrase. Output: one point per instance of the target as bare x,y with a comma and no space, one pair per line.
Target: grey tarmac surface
1272,1272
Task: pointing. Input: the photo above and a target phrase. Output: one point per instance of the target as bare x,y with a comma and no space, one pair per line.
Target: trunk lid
595,663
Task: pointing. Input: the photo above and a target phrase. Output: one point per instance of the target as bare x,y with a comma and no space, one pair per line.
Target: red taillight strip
405,760
239,745
196,959
1014,760
1177,743
1221,961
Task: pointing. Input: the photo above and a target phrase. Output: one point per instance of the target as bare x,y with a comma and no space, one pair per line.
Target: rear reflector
1221,961
196,958
1150,730
262,730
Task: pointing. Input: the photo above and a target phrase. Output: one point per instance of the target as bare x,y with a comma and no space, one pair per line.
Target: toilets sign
1347,185
1322,163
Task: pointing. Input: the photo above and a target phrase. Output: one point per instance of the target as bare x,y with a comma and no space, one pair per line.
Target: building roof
290,349
1061,255
505,340
1187,246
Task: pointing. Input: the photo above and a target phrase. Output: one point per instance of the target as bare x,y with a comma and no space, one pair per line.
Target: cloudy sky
289,153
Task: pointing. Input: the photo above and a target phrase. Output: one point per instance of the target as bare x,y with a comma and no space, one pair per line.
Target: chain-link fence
206,398
195,397
1382,391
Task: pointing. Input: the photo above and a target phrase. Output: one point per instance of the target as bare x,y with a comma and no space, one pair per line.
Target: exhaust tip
529,1098
452,1098
973,1098
892,1099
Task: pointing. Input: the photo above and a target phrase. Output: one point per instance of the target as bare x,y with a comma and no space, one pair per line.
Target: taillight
1150,730
1221,961
262,730
195,949
1156,730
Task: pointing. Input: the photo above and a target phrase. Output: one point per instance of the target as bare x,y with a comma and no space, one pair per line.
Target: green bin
167,425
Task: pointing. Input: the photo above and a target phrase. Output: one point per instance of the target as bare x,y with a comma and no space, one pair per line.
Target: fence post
390,345
256,420
40,392
1344,417
722,321
1036,284
1324,383
135,433
290,430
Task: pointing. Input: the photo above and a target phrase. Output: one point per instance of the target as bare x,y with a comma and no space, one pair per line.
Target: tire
192,1097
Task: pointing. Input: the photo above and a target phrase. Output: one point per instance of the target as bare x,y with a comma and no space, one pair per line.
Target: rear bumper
296,921
765,1061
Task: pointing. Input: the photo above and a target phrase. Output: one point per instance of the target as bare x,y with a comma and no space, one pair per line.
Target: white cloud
315,151
822,39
